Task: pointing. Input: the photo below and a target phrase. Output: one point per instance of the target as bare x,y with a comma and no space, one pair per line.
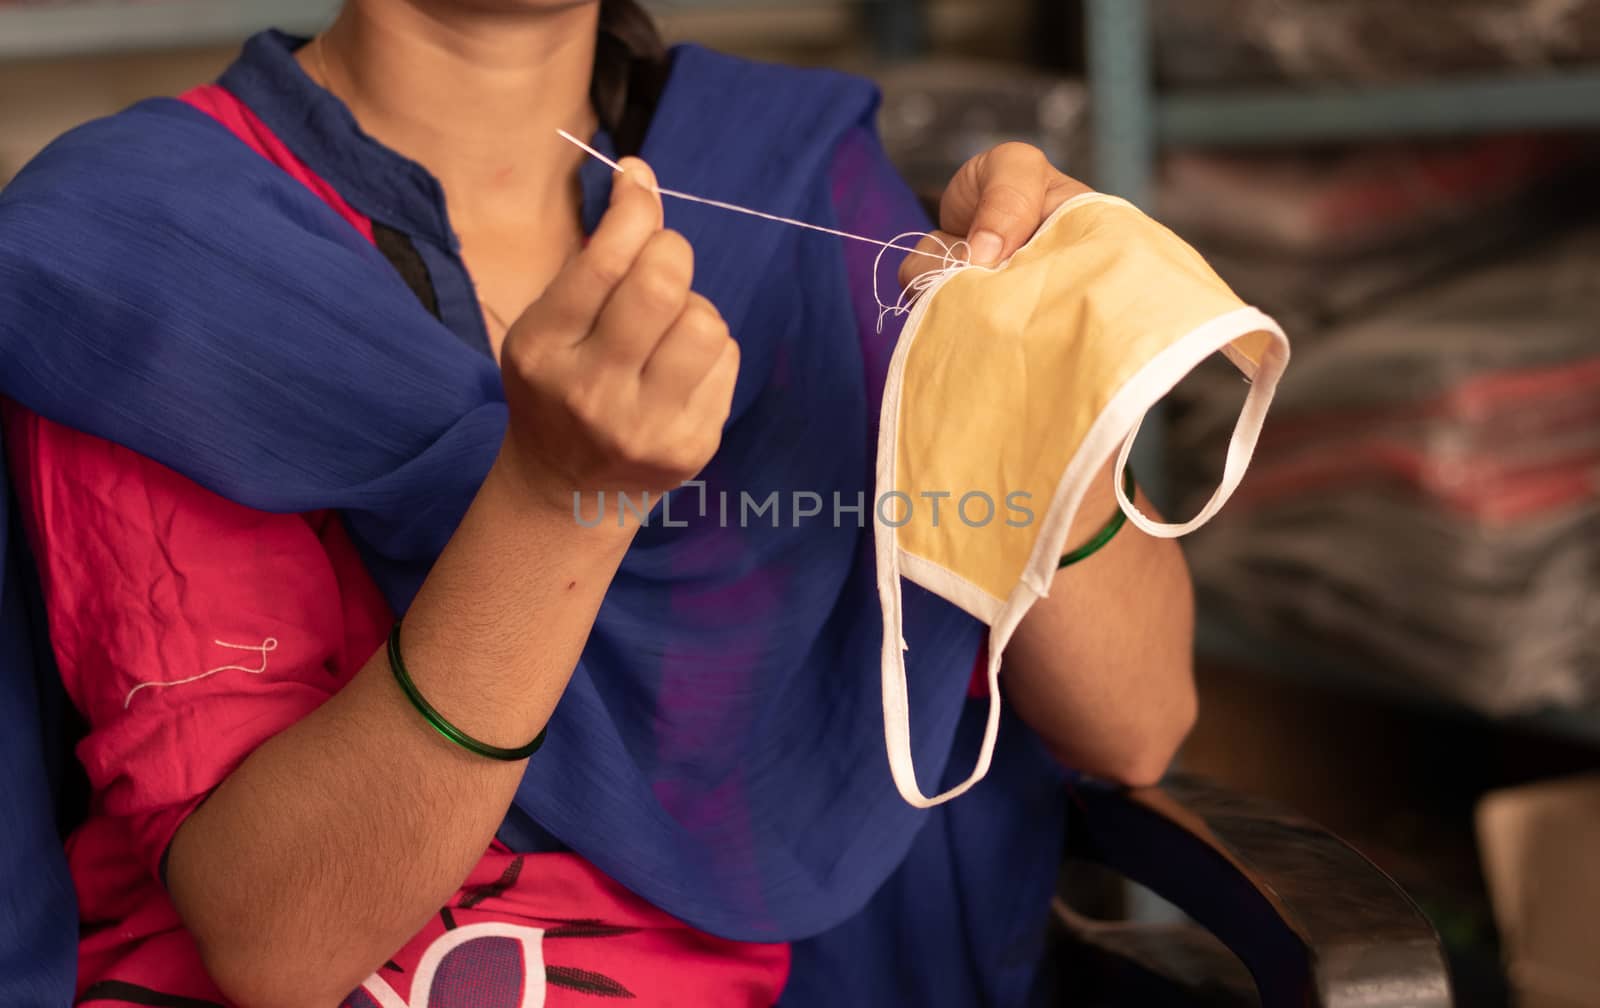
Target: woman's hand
619,377
995,204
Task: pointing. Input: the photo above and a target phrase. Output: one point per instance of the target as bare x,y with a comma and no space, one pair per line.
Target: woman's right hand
619,378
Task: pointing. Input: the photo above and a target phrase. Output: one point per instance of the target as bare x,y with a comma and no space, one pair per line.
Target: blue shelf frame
1123,107
1122,97
1458,107
1134,121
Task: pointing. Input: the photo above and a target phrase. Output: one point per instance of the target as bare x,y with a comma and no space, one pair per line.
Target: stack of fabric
1317,237
1423,505
1427,493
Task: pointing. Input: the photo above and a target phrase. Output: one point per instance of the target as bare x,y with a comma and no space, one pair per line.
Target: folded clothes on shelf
1317,236
1329,204
1317,42
1426,497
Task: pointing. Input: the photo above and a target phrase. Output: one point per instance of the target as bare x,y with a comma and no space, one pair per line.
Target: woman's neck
474,96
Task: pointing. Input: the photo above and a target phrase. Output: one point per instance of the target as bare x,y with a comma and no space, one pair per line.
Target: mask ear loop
897,705
1241,448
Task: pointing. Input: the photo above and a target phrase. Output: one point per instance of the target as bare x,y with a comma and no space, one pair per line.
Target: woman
288,397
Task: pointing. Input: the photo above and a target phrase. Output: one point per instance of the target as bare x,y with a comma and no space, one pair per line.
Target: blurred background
1400,627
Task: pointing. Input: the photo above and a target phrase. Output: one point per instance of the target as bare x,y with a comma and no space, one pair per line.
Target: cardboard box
1541,857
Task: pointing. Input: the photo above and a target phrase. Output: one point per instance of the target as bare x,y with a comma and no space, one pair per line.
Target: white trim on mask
890,558
951,586
1246,431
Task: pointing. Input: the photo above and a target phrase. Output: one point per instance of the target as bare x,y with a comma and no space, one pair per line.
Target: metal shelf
1134,120
1566,101
99,27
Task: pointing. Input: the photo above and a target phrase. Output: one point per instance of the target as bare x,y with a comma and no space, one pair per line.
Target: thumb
572,302
636,185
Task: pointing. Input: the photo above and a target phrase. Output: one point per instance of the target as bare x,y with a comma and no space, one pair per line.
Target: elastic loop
1246,432
1105,535
438,722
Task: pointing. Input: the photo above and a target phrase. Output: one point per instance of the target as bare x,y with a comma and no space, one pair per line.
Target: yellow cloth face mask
1008,392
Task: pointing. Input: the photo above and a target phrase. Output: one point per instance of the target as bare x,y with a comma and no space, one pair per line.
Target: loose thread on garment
953,258
265,648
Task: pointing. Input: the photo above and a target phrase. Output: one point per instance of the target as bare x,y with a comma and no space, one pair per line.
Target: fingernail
986,248
638,172
642,176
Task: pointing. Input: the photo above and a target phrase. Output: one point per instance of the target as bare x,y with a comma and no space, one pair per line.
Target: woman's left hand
995,204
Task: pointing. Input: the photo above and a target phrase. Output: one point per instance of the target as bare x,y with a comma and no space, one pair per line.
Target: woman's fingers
691,376
712,400
685,355
634,391
644,305
999,199
574,300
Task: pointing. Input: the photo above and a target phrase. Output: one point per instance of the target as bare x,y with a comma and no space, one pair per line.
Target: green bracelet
1106,534
437,720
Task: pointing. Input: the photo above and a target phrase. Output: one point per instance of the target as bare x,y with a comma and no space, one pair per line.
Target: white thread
954,262
264,648
746,210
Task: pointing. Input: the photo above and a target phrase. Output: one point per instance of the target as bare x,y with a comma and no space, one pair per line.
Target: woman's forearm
1103,669
333,843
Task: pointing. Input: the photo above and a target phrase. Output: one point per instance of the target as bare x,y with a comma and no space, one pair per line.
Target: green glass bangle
437,720
1106,534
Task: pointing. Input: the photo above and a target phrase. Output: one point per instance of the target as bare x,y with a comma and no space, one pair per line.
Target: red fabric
189,630
149,579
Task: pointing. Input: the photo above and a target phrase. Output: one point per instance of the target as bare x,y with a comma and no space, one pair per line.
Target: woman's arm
1103,669
335,840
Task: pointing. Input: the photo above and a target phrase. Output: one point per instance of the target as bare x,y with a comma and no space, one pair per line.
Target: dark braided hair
630,70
